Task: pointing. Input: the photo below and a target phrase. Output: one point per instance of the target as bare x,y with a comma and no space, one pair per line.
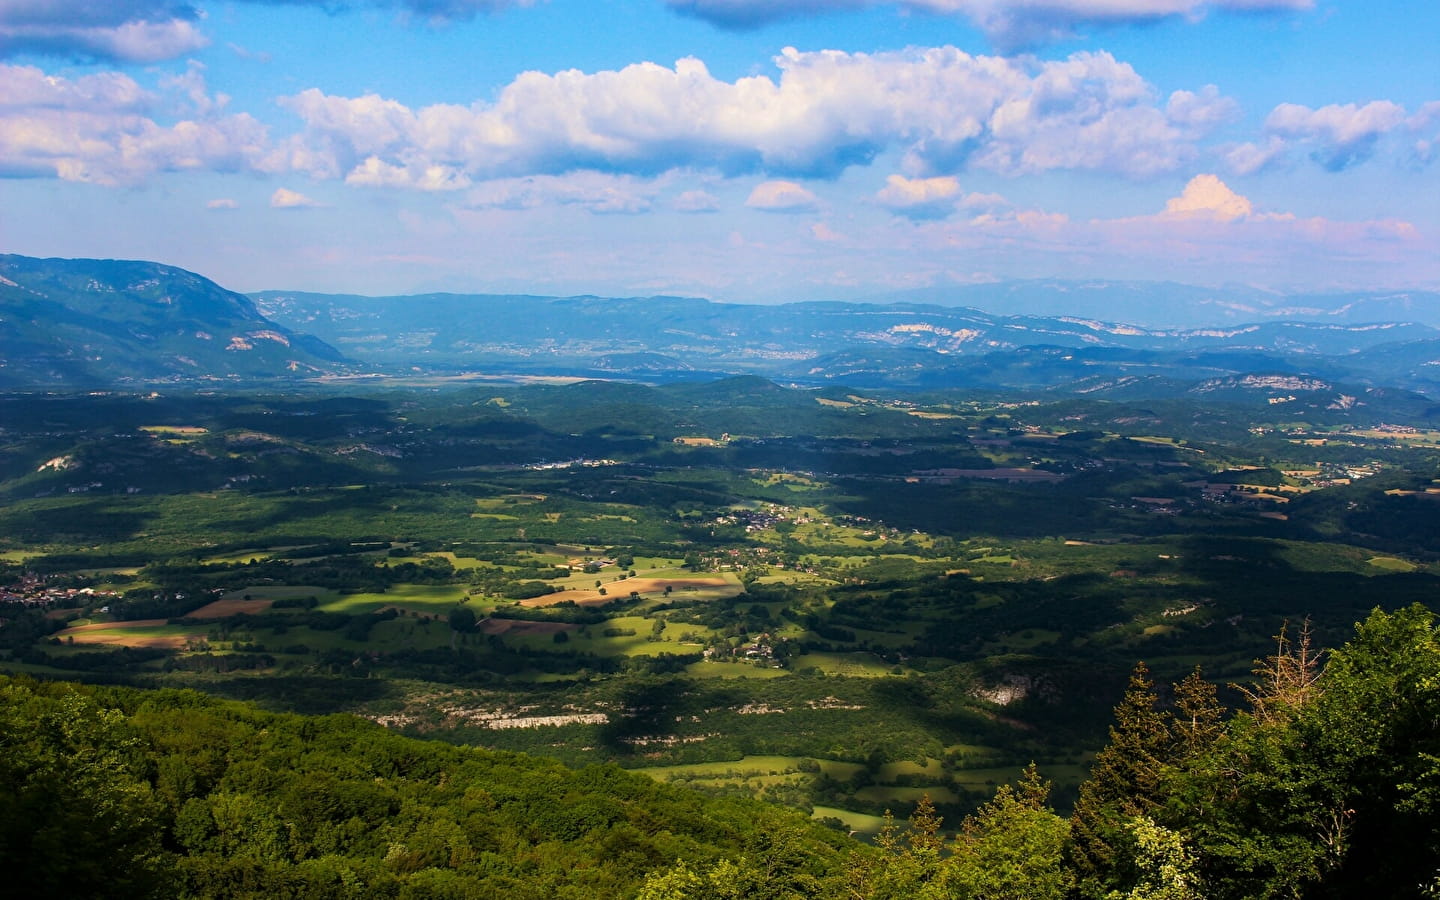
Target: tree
1012,848
462,618
1166,865
1124,782
1199,718
909,863
1329,785
462,621
1375,728
77,816
1287,680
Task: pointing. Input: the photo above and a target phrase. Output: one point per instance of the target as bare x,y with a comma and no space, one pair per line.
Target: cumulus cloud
1207,196
828,110
1337,136
1202,112
222,203
782,196
1007,22
920,198
284,198
102,129
1342,134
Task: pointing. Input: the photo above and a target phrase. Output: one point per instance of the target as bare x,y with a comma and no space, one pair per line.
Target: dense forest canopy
1325,785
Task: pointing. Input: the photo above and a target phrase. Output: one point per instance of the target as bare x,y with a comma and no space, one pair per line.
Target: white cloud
782,196
284,198
1342,134
1086,112
829,110
1339,136
696,201
1008,22
222,203
1200,113
375,172
1207,196
984,201
920,198
596,192
100,129
1249,158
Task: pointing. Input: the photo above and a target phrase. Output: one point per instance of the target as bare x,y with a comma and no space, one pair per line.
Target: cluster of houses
32,591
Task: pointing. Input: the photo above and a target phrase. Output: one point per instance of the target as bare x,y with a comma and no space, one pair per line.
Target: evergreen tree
1012,848
1286,681
1124,782
1199,718
908,865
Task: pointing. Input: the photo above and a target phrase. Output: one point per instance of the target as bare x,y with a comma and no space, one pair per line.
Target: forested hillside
126,793
1326,785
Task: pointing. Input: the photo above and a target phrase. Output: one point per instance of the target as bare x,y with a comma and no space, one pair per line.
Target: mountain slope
90,322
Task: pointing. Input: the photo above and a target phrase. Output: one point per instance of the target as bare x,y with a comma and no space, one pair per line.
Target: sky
743,150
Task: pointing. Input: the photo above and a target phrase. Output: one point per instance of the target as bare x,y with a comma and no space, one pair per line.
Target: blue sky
736,149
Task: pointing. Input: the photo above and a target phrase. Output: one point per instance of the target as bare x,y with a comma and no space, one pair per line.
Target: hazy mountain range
89,322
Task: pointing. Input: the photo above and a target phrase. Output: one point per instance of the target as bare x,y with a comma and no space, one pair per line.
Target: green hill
90,322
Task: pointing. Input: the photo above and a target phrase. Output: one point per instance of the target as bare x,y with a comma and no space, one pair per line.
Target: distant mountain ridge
907,344
1169,305
445,328
84,323
91,322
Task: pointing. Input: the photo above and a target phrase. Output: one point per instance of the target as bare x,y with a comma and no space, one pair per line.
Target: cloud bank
828,110
102,129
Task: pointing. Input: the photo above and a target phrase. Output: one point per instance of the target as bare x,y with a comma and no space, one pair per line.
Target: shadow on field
660,711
